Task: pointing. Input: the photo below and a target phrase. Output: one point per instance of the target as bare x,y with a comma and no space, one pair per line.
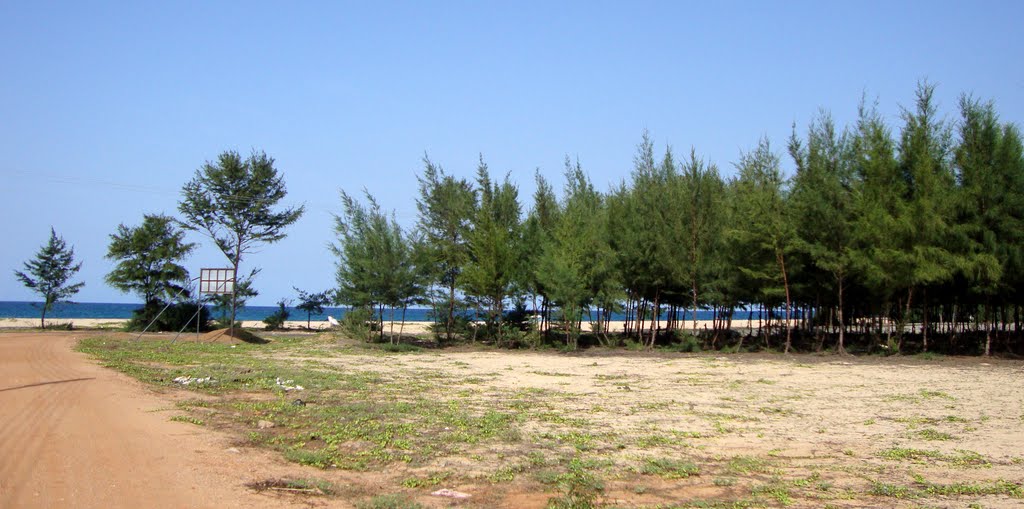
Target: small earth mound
231,337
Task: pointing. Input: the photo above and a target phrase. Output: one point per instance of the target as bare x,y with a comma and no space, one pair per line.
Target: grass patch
748,465
927,394
775,490
922,488
668,468
389,501
187,418
961,458
931,434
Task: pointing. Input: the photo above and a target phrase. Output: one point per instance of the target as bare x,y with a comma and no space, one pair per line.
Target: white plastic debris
450,493
189,380
287,385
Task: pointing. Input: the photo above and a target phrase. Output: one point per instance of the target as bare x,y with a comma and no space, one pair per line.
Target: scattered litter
234,450
189,380
287,385
265,424
450,493
299,402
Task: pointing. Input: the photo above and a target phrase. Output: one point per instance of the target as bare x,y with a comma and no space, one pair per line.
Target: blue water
74,310
9,309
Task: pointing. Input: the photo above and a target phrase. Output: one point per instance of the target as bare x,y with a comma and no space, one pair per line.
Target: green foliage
764,229
823,201
445,206
359,322
575,266
389,501
889,233
50,272
276,319
494,269
580,488
148,264
312,302
668,468
233,202
177,316
376,260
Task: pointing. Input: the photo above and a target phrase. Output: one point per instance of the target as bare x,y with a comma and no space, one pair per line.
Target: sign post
219,282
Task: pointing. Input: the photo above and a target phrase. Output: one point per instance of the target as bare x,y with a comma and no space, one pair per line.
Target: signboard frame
217,281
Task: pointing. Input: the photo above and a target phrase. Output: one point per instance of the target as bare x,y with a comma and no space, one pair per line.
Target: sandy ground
73,434
808,416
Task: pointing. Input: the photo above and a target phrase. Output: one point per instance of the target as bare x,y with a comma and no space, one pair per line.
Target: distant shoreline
410,327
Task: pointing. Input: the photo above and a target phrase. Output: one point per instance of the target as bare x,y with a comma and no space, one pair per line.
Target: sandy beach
295,325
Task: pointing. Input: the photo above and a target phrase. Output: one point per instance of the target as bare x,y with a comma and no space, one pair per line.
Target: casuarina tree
49,274
234,202
148,259
312,302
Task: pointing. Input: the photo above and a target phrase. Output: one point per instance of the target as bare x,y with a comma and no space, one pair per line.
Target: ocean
70,311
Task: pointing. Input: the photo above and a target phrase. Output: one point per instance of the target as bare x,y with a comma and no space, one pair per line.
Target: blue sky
107,109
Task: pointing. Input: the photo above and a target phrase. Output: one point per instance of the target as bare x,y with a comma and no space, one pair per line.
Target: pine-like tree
50,272
446,206
148,262
495,269
233,202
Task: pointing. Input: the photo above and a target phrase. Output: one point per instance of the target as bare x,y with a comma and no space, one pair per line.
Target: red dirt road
74,434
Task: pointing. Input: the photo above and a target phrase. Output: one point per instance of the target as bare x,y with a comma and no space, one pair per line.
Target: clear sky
107,109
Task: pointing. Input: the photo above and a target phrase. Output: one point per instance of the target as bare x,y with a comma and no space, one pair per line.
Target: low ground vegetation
602,428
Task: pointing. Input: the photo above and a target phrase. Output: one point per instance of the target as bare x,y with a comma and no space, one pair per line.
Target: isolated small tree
277,319
147,262
49,274
232,201
312,303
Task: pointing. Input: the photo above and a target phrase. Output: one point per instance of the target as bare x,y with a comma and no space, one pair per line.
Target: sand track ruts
73,434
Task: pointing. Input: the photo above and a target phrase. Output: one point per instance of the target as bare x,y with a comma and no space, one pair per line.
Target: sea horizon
123,311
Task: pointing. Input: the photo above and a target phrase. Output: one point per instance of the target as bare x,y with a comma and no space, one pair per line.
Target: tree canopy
233,201
49,274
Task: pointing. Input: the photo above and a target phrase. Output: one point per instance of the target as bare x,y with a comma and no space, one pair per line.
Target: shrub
277,318
177,317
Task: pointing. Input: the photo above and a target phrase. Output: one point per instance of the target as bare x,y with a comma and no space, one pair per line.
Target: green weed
668,468
390,501
188,419
931,434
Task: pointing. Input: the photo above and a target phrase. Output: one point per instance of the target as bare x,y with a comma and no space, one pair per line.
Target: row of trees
232,200
878,236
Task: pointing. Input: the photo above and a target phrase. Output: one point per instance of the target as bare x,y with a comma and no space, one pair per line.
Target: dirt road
73,434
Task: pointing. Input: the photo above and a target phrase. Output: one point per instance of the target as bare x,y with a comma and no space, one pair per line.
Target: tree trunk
988,333
451,313
42,319
654,319
841,350
234,287
391,327
924,327
903,321
695,306
785,285
401,328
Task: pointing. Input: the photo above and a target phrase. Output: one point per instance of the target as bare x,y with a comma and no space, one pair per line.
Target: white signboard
216,281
